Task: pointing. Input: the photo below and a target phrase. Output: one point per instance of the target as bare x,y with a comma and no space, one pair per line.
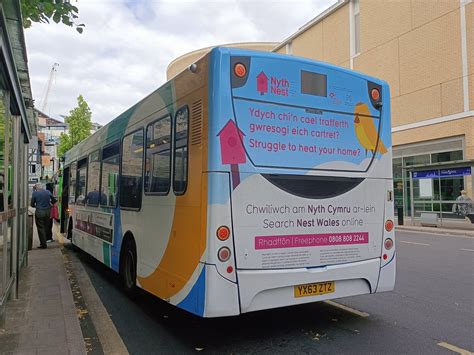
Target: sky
126,46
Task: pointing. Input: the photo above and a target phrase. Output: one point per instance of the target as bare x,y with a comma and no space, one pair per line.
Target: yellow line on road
467,249
404,241
347,309
455,349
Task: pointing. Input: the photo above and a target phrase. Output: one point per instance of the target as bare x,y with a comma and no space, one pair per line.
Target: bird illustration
365,130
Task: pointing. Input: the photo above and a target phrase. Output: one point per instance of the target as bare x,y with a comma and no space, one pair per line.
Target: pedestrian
49,234
463,205
42,200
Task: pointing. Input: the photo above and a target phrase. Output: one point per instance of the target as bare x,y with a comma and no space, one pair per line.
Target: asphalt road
433,302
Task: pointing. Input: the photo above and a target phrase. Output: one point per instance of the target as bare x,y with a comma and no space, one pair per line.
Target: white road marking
455,349
468,249
434,234
404,241
347,309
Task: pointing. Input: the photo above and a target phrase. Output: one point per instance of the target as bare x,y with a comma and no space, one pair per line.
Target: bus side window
131,171
81,181
158,156
180,168
109,172
93,174
72,183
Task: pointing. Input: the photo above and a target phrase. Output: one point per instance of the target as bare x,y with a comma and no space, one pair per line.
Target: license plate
315,289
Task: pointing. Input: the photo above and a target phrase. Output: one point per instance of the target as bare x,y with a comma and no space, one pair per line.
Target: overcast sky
126,46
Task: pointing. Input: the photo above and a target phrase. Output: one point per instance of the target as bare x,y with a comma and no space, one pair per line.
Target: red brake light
385,256
375,94
223,233
223,254
389,225
230,269
240,70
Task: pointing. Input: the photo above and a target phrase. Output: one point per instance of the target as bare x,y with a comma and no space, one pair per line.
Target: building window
356,27
109,173
94,194
158,156
446,156
180,177
131,171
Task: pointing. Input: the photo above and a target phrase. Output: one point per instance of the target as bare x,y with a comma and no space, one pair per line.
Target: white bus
250,181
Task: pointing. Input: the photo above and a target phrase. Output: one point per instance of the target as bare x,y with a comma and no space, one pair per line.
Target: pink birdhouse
232,149
262,83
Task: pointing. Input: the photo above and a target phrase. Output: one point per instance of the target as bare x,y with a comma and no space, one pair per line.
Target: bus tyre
128,267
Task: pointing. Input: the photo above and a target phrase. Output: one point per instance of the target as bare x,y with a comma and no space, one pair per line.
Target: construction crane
52,74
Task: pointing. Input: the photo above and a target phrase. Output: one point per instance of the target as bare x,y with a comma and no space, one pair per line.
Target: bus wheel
128,266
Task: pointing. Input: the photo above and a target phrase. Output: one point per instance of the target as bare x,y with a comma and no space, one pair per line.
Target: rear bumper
264,289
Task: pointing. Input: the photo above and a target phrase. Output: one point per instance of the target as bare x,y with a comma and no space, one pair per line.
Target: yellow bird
365,130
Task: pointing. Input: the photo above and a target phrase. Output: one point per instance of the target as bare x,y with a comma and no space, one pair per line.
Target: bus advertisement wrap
275,229
297,137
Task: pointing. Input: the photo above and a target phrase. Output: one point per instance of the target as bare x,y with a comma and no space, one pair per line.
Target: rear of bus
300,183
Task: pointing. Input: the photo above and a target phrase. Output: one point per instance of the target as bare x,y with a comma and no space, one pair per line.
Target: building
425,51
95,127
44,162
184,61
17,127
49,131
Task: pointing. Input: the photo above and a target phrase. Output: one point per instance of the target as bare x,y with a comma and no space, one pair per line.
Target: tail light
223,233
389,225
240,70
223,254
388,244
375,94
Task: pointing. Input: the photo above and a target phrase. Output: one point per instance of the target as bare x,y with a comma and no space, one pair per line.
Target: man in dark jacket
42,201
49,229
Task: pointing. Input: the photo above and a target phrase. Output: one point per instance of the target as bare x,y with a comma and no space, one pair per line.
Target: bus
249,181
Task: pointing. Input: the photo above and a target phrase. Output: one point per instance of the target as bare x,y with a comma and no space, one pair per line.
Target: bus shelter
441,193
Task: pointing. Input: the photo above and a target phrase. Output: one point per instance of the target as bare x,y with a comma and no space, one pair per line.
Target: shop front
441,189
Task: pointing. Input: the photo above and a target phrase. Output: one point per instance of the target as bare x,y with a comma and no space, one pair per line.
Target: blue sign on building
442,173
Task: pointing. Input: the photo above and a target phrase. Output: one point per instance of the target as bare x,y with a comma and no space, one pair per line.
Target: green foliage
80,125
45,10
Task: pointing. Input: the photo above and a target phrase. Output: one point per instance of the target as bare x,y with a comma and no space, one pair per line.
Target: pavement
453,227
57,310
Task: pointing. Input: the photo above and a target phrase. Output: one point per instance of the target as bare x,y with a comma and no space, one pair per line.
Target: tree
80,125
45,10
